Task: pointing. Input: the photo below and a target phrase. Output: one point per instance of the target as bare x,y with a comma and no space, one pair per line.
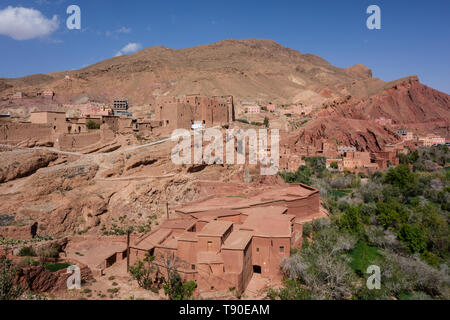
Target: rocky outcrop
62,178
406,102
22,163
364,135
38,279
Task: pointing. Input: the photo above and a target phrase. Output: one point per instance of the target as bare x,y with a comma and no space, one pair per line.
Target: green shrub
8,272
307,229
91,125
391,214
176,289
412,237
53,267
27,252
49,251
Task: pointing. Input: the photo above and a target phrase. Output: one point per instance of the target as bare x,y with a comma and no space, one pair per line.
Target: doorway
257,269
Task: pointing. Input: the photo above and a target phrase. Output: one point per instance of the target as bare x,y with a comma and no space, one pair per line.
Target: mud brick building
181,112
220,242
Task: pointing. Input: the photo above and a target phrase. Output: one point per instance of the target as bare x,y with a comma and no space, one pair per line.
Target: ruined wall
14,133
72,142
78,141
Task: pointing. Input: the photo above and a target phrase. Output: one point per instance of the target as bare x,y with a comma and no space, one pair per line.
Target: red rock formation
406,101
38,279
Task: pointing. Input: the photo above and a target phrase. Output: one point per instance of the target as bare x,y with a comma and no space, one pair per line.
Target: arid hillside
248,69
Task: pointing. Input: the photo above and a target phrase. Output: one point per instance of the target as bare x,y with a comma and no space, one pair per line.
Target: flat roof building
220,242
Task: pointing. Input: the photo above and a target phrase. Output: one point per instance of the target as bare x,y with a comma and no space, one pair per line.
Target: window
257,249
209,244
193,267
281,249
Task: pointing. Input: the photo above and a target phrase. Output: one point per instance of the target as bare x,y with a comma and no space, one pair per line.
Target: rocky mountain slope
405,101
247,69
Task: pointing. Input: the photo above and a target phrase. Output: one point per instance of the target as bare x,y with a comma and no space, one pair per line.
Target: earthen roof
152,239
237,240
268,221
215,228
178,224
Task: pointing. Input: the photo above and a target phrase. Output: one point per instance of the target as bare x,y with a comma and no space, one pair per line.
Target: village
218,241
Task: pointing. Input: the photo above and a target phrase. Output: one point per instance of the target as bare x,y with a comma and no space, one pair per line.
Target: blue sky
414,36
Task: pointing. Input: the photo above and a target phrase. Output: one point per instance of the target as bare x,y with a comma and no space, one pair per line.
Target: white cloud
23,23
129,48
124,30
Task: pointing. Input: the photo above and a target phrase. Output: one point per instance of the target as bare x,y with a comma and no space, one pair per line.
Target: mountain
250,69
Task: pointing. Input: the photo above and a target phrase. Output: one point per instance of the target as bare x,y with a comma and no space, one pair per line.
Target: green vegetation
339,193
8,290
363,256
149,275
92,125
334,165
27,252
176,289
50,251
243,121
397,220
53,267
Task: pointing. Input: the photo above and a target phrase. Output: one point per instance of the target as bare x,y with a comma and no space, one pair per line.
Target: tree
391,214
317,164
91,125
8,289
351,219
143,272
413,238
174,286
303,175
402,178
176,289
334,165
321,267
266,122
